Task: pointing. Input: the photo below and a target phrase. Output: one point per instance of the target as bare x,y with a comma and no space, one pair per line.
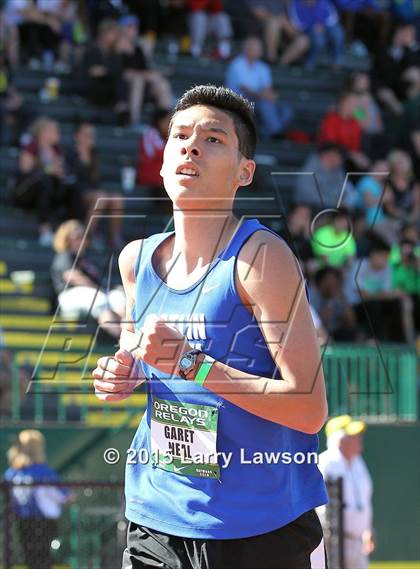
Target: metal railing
89,533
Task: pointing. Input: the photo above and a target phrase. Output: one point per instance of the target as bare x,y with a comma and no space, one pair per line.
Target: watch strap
204,370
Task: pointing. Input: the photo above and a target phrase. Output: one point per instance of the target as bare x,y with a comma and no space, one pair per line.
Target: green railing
375,383
378,384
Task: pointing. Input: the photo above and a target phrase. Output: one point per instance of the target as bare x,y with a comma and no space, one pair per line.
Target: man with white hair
343,459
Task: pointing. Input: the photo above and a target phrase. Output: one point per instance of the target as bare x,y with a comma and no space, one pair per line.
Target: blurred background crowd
350,205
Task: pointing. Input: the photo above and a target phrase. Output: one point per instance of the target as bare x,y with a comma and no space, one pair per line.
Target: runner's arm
269,279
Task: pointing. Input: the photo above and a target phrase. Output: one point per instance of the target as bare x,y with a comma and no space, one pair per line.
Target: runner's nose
190,148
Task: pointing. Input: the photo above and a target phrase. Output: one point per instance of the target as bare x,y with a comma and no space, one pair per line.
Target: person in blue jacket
37,508
320,21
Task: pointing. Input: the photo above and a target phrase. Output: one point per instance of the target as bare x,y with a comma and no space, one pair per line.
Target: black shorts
288,547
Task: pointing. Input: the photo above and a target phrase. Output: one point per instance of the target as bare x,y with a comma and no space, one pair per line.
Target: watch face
184,363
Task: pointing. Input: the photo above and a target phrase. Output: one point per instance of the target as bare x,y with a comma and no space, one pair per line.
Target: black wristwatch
187,362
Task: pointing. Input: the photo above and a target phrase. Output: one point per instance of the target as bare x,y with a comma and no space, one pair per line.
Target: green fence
376,383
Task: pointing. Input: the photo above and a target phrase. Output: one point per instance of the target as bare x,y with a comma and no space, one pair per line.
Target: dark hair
344,94
378,245
237,107
321,274
325,147
159,114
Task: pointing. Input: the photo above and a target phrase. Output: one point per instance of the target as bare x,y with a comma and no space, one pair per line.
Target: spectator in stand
102,71
275,21
321,179
368,113
409,123
77,282
369,289
328,299
36,27
251,77
37,508
150,157
137,72
42,183
370,189
319,20
334,243
401,202
84,165
390,65
298,235
208,16
367,24
405,263
340,126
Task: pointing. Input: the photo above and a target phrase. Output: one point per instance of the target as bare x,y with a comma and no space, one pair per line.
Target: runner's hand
116,377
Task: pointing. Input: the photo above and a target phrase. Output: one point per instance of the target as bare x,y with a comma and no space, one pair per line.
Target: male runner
218,318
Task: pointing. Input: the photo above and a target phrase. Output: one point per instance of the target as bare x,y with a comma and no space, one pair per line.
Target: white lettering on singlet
192,326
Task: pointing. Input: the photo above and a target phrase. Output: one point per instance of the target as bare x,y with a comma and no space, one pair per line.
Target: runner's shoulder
128,256
264,246
266,261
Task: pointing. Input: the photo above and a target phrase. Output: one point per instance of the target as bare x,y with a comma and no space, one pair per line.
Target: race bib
184,438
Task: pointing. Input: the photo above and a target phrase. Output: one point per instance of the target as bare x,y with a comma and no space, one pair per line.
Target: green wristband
204,370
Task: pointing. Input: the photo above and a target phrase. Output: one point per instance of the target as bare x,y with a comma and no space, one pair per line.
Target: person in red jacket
341,127
150,155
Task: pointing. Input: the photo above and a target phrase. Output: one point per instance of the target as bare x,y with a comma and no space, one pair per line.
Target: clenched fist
116,377
160,345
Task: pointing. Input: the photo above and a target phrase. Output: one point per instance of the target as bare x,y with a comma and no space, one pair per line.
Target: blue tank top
260,481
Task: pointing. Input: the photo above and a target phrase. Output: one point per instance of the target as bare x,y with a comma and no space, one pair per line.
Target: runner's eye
214,140
180,135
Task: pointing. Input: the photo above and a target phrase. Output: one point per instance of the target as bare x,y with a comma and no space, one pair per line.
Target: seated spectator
298,235
334,243
318,19
251,77
275,21
390,65
369,115
102,71
84,165
370,189
328,299
321,179
401,201
208,16
340,126
137,71
77,282
35,27
405,263
367,24
36,508
409,123
41,183
151,147
369,289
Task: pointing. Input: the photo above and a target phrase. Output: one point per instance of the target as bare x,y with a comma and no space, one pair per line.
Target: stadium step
25,304
55,340
138,400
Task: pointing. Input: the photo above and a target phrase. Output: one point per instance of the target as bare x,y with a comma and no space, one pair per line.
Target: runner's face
202,159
